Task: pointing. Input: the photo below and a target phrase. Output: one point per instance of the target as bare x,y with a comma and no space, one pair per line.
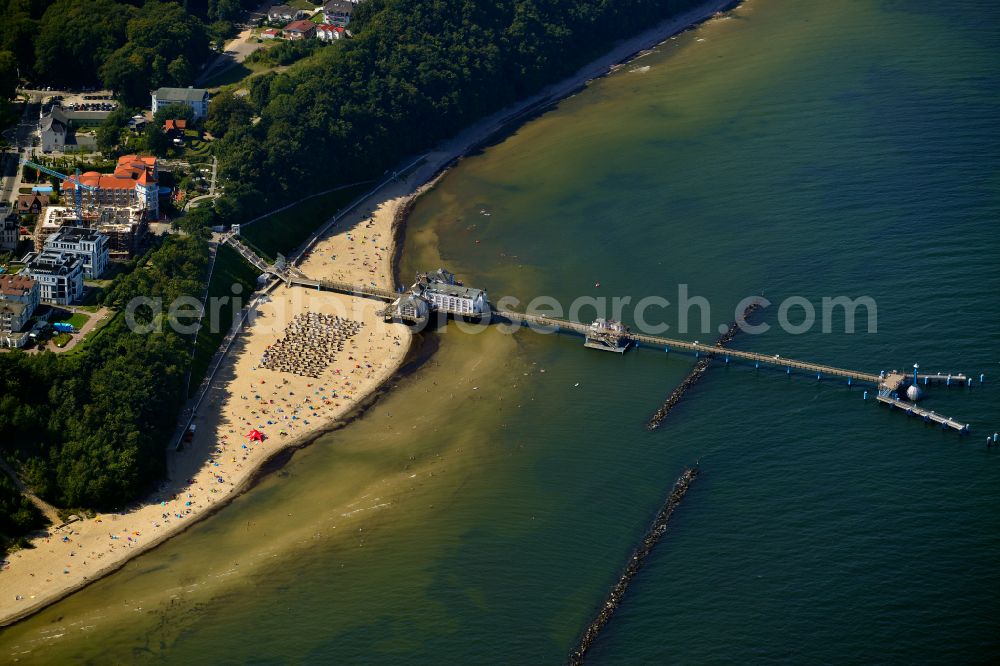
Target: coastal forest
90,429
129,47
415,73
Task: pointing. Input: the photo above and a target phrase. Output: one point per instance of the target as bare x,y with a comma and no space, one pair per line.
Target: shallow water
803,149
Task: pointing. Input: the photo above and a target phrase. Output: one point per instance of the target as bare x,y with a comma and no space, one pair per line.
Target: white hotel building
59,276
88,244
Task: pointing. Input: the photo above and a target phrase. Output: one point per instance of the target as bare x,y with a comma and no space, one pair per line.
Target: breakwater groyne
697,371
649,541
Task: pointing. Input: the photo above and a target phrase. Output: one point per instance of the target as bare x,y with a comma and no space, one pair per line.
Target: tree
219,32
8,74
18,37
226,10
226,111
72,41
156,140
109,135
260,90
175,111
125,71
163,44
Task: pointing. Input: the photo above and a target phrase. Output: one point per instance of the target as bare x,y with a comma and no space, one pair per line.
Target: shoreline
400,196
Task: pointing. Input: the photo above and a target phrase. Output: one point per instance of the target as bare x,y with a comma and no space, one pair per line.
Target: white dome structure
914,393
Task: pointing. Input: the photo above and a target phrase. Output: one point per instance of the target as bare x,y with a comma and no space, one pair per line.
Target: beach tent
255,435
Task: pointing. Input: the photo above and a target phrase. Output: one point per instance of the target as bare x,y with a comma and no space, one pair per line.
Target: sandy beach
286,408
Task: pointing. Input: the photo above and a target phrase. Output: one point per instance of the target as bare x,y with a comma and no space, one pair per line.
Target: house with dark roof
282,13
338,12
87,244
29,204
53,127
196,98
300,30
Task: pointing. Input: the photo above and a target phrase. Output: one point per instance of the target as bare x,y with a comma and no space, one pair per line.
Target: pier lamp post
913,392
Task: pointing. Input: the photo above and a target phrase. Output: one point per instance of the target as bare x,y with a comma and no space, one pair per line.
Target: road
237,49
20,136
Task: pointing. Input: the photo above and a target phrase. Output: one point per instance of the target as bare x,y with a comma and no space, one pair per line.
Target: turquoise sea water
481,511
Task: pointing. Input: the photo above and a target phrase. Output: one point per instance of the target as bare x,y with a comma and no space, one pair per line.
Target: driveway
96,318
20,136
236,50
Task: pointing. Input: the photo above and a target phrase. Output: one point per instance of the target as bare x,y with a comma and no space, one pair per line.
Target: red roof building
328,31
300,30
133,183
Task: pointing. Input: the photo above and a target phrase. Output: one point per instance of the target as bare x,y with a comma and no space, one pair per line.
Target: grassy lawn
196,147
233,74
230,269
302,4
76,320
113,270
94,289
61,339
286,230
98,330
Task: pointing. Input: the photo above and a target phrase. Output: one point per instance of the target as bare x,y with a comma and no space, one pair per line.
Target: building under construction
124,227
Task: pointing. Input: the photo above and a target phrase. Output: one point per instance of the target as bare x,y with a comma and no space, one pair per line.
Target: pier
365,291
927,415
888,383
700,349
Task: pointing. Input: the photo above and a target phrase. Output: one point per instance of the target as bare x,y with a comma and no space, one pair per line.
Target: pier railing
367,291
699,348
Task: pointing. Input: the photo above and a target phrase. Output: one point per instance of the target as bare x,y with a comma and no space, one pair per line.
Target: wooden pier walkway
888,383
926,414
366,291
701,348
943,378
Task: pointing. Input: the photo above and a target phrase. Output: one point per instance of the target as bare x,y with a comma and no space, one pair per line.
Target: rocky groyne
649,541
698,370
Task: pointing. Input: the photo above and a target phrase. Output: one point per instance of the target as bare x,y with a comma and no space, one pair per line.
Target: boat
608,335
